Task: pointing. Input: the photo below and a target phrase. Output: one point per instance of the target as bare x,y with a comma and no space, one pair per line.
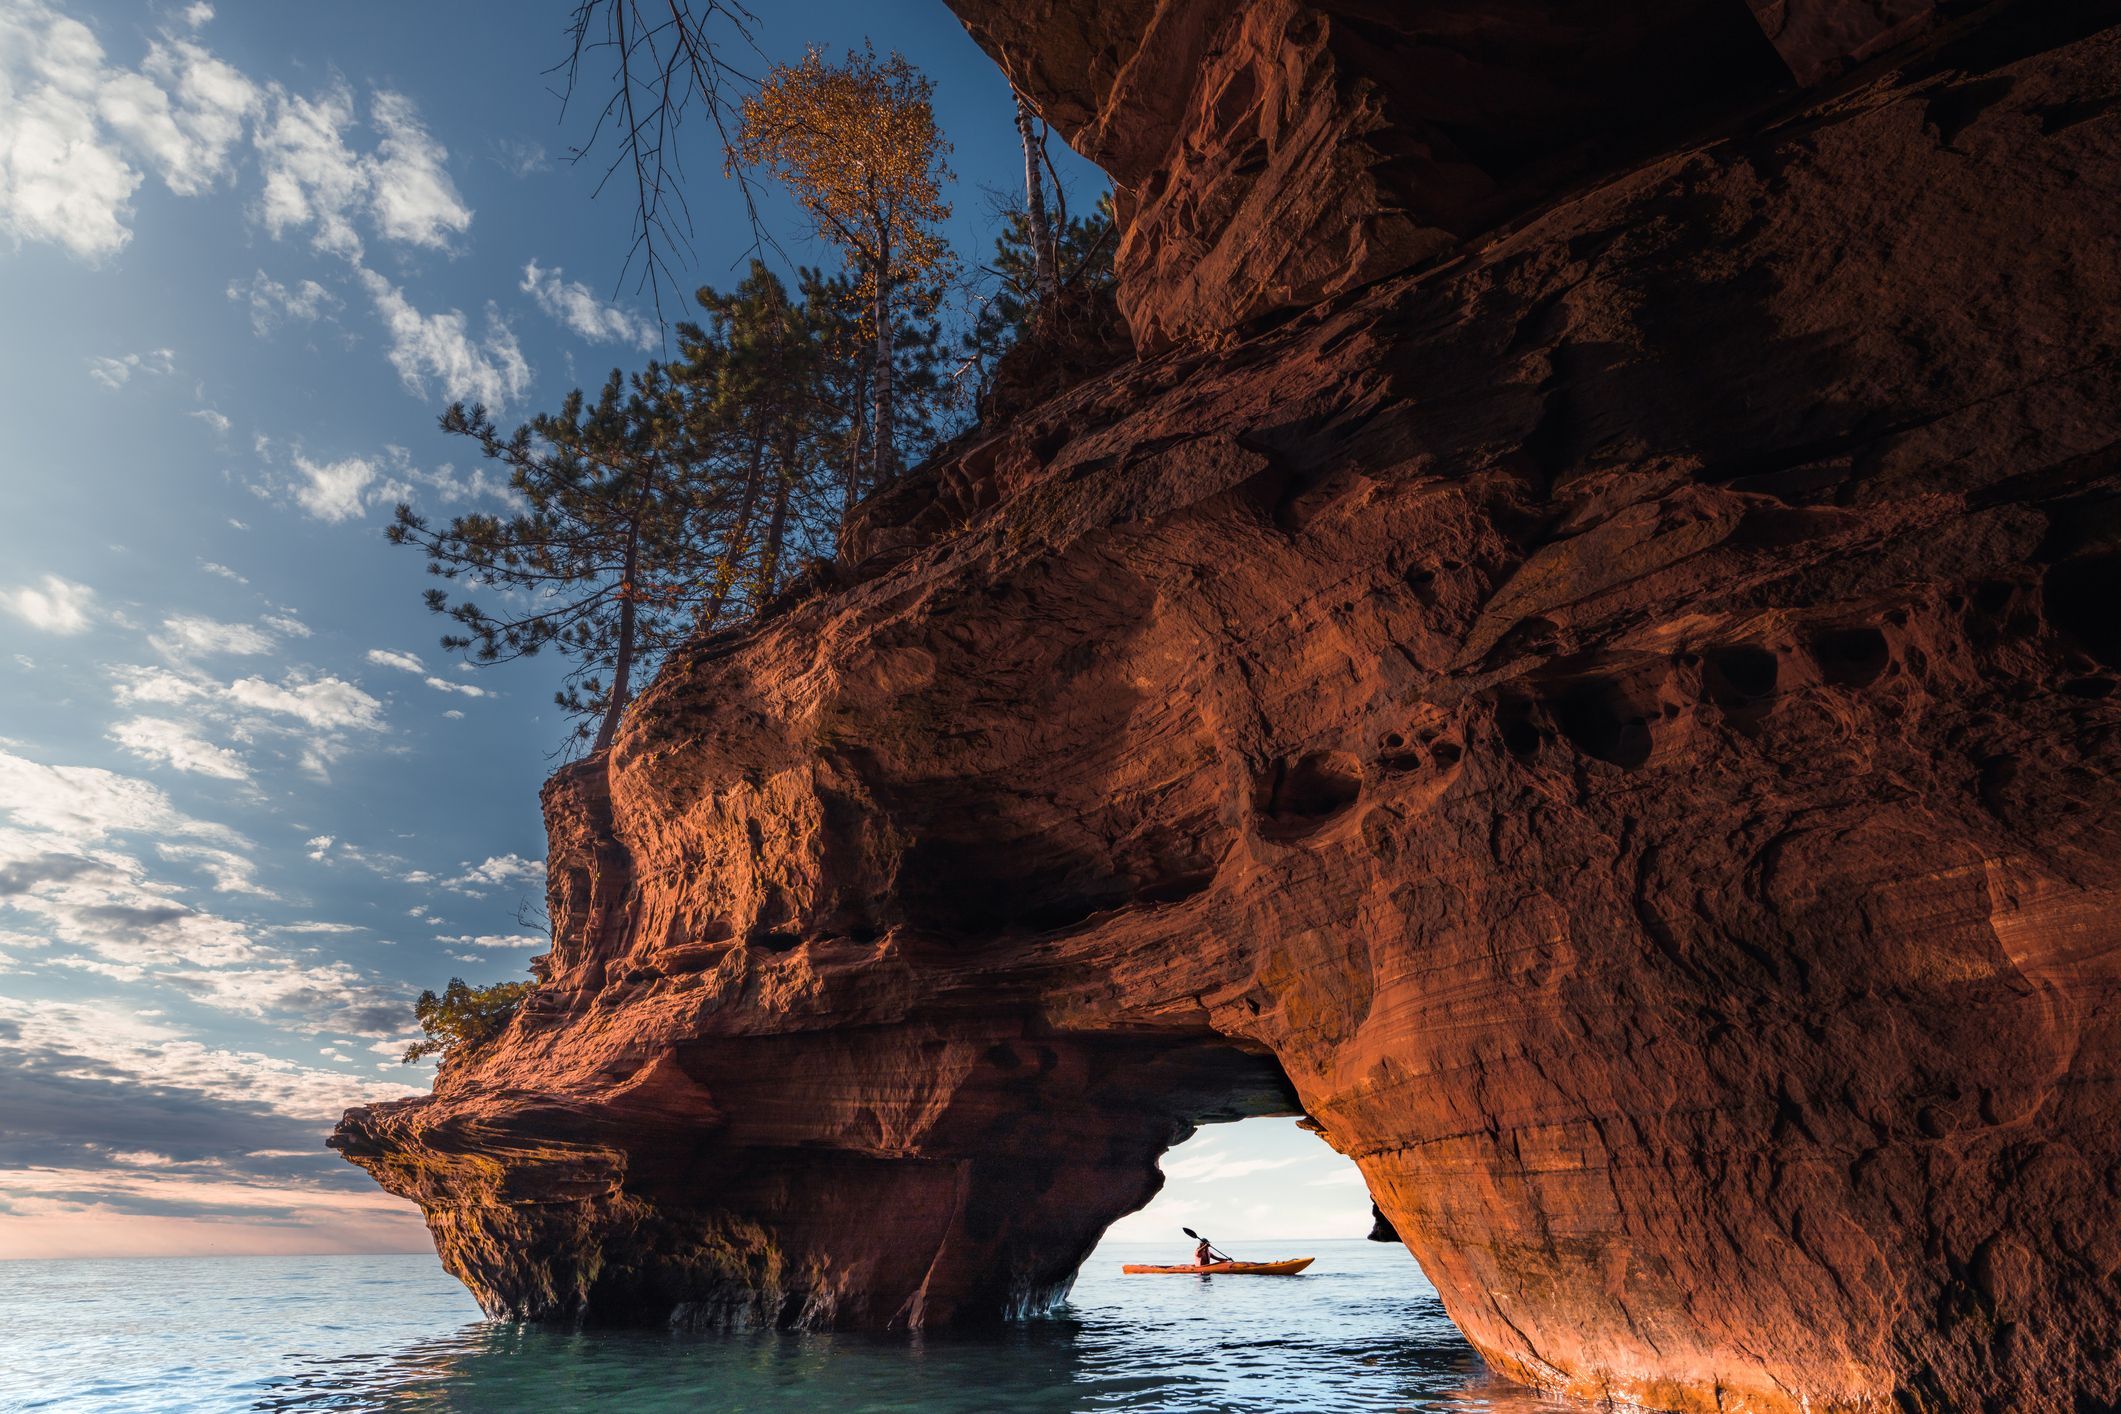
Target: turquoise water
1361,1331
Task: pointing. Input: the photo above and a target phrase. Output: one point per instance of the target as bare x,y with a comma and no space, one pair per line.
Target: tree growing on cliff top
760,364
1021,300
603,563
463,1016
858,148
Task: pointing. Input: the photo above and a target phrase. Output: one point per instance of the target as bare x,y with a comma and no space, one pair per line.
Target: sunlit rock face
1618,725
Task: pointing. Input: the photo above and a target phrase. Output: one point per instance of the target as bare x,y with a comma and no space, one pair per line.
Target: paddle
1212,1251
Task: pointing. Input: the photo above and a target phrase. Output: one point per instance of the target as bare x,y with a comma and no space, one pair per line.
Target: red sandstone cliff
1616,721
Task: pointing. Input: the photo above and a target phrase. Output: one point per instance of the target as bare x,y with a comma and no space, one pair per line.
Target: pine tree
758,362
463,1018
603,562
858,147
1010,312
834,307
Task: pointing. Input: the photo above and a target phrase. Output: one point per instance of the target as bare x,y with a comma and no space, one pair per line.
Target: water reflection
1364,1334
1055,1368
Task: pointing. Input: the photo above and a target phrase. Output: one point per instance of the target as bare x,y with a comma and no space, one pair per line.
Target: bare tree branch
664,60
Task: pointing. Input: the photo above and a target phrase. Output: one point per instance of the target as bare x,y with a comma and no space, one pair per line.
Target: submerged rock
1617,723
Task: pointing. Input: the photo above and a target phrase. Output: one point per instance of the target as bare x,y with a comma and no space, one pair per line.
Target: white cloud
345,489
213,418
353,486
72,128
59,867
495,940
453,715
521,158
312,178
496,870
441,348
327,703
185,110
186,635
287,624
315,181
464,688
273,304
328,997
179,746
62,177
231,871
159,685
115,373
312,712
392,658
415,201
578,308
137,1049
83,804
1214,1168
53,604
78,133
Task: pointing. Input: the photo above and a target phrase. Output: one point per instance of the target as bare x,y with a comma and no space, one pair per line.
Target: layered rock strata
1618,724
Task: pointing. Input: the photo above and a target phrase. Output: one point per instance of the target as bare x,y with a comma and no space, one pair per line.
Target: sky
248,807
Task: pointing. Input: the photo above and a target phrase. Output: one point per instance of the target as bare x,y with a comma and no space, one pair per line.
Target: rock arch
1611,727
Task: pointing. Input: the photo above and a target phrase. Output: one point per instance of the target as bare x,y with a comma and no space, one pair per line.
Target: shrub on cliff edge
463,1016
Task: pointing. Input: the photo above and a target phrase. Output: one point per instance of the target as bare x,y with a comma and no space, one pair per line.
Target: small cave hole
1600,722
774,940
1741,676
1295,798
1520,735
1850,657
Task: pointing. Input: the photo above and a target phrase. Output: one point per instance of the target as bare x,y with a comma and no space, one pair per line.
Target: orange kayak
1226,1269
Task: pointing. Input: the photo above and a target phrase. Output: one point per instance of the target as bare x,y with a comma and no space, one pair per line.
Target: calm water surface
1361,1331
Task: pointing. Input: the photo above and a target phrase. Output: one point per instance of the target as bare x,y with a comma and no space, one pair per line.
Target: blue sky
247,807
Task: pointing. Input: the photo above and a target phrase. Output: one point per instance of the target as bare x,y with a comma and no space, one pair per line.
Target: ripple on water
1361,1332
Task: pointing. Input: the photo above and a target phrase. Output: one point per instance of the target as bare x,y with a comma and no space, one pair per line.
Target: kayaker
1203,1255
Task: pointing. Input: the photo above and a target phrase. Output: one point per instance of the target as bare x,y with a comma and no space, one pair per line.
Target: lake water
1361,1331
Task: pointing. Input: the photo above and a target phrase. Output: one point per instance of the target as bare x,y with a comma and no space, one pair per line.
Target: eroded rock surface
1619,726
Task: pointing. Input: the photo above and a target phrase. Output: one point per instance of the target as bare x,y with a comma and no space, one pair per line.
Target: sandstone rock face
1620,728
1271,153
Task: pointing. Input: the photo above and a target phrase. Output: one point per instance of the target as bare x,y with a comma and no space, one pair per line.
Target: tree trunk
622,664
1046,267
725,573
777,527
880,431
858,425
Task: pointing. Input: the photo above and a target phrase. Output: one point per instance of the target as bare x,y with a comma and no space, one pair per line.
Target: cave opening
1263,1180
1264,1188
